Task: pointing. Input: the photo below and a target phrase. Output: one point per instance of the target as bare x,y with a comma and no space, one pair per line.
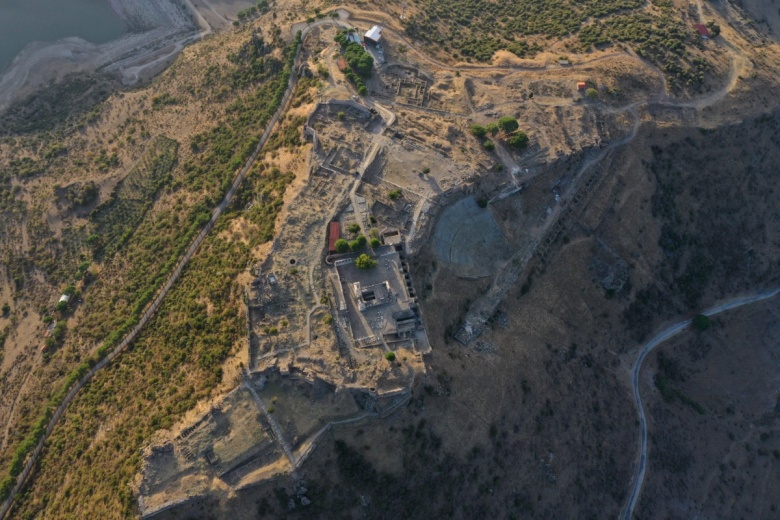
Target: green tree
354,245
491,128
390,356
354,228
508,124
478,131
341,245
365,262
362,240
394,194
375,242
6,309
701,322
518,140
363,90
489,145
592,93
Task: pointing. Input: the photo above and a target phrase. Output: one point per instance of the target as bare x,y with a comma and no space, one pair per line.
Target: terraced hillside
660,31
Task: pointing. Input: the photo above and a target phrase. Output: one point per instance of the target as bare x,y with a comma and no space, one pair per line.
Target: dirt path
466,66
275,428
658,339
135,73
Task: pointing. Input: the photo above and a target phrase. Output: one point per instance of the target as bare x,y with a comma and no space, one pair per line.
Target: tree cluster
476,29
361,63
509,126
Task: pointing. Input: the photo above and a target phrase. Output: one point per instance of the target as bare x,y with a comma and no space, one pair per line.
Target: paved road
660,338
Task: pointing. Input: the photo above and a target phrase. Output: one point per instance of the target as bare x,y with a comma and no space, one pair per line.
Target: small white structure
64,298
373,35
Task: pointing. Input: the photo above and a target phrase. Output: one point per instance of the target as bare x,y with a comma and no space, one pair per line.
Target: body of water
25,21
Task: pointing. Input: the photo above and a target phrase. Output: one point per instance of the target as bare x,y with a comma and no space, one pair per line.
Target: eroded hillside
508,235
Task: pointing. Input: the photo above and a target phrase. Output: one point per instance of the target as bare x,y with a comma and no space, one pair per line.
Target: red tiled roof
334,233
701,29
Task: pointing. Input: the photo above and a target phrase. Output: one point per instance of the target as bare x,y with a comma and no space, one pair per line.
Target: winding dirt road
658,339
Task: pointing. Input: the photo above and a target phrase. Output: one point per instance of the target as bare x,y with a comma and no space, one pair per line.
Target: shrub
508,124
328,319
491,128
375,242
478,131
340,116
714,28
341,245
489,145
354,228
592,93
361,240
365,262
164,99
6,309
390,356
701,322
354,245
6,485
395,194
518,140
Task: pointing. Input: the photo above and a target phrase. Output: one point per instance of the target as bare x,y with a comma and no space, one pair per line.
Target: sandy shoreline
167,25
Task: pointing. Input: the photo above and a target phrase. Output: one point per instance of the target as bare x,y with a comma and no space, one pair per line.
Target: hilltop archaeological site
366,261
